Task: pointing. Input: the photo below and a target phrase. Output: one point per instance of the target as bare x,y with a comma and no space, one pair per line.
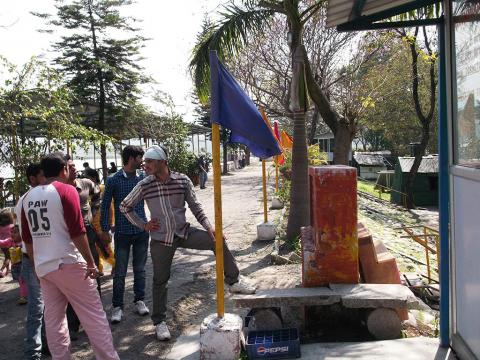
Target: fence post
426,253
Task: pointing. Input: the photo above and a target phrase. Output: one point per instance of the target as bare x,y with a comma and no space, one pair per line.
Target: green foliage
284,191
294,244
373,139
227,36
172,132
315,158
173,135
369,188
391,121
101,69
37,117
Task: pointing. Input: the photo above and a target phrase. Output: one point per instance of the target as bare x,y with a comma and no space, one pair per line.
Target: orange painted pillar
331,254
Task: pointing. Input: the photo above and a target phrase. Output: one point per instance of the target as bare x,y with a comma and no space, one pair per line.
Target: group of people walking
66,224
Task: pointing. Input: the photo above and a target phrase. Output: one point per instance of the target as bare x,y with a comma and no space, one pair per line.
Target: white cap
155,152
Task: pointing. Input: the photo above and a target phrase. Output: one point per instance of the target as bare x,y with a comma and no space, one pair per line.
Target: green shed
425,187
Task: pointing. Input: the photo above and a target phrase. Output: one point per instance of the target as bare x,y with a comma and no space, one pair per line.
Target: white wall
466,243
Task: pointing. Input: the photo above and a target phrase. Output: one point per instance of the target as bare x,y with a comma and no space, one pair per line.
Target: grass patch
369,187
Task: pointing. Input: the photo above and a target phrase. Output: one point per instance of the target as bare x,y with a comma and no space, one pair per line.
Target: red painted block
331,254
378,265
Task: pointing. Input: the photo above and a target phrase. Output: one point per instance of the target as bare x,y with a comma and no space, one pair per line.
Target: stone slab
375,296
287,297
350,295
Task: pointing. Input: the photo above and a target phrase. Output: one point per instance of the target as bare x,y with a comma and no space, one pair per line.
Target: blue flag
234,110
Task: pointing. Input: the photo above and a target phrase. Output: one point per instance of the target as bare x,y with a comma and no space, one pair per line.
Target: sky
172,27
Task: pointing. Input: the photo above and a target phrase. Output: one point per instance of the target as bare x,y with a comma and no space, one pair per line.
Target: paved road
192,286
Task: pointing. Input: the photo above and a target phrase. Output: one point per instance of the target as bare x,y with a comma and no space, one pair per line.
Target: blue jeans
203,179
139,245
33,341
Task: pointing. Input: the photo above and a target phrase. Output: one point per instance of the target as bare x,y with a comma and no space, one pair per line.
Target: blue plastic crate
273,344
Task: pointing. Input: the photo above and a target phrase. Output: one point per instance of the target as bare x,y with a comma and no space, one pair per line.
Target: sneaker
242,287
117,314
22,300
141,308
161,330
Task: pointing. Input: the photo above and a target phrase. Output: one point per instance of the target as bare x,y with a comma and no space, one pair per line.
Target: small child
16,259
6,225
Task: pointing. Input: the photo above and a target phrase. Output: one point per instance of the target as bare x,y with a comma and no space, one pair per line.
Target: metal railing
426,236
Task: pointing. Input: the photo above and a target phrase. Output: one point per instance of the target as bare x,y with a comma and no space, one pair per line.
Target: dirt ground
192,286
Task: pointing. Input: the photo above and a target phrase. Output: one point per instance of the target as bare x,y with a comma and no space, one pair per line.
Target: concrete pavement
420,348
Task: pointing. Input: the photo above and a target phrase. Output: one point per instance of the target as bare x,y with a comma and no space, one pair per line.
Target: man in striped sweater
165,193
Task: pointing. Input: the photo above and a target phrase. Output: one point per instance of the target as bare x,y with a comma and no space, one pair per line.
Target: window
332,144
323,143
467,77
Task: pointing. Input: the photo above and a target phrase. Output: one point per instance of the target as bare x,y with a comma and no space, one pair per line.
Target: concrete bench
380,301
349,295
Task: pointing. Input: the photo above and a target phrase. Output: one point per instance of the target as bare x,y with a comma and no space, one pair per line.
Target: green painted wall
425,188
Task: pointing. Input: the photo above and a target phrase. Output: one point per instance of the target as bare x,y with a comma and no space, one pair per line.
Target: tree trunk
225,158
103,154
247,155
101,95
343,144
299,194
313,127
410,203
334,121
299,200
425,120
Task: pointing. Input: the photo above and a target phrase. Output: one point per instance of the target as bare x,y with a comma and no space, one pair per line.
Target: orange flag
279,159
286,140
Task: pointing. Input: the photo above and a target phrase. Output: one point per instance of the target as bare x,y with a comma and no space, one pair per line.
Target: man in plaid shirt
127,236
165,193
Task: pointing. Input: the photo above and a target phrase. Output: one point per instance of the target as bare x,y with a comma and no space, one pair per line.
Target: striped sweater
166,202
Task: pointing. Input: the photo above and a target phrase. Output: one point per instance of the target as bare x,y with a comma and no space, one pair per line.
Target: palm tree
238,24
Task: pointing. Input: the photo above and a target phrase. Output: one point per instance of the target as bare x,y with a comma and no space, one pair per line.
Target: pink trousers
65,285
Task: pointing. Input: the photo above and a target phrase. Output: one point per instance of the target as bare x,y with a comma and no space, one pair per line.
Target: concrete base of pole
276,204
266,231
220,339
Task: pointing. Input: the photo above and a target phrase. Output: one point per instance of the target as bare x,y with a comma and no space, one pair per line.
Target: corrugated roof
429,164
369,159
342,11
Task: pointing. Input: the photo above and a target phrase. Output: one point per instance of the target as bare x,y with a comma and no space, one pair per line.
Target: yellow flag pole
264,180
217,191
276,173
